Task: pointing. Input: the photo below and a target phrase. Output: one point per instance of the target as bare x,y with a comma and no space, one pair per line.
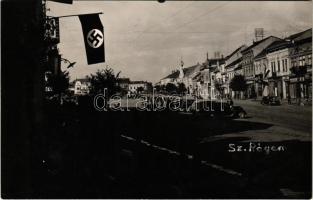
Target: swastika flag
93,38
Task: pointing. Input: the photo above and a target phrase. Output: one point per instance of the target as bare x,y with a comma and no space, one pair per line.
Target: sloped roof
261,55
281,44
257,43
82,80
278,45
301,35
172,75
188,71
124,80
191,70
234,62
238,67
241,48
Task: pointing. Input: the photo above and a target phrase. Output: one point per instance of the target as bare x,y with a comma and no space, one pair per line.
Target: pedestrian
289,99
231,103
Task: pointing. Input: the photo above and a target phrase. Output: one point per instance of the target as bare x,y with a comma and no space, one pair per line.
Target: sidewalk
284,103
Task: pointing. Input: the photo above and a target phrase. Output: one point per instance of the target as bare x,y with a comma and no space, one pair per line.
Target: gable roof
123,80
241,48
234,62
174,75
237,59
257,43
188,71
281,44
261,55
191,70
277,45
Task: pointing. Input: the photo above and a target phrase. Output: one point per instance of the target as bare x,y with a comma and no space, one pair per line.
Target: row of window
258,68
302,61
248,70
282,65
135,87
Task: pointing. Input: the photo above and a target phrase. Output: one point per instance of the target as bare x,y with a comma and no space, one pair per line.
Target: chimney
217,54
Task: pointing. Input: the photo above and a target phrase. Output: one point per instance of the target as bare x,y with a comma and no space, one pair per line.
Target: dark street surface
87,153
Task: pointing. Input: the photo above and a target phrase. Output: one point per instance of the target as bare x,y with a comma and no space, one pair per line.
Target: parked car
271,100
217,109
238,112
210,108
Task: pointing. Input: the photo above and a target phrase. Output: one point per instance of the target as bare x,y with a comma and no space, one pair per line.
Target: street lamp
71,64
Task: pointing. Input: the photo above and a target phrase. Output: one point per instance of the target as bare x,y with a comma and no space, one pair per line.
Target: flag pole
76,15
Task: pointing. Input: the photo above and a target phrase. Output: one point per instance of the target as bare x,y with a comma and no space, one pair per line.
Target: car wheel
242,115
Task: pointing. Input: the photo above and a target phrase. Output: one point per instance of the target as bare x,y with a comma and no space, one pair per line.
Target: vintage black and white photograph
156,99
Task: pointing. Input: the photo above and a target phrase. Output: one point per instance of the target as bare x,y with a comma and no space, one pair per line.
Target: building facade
136,87
123,83
301,65
248,56
81,87
233,67
279,69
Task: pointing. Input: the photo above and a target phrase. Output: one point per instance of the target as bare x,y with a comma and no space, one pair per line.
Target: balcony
299,70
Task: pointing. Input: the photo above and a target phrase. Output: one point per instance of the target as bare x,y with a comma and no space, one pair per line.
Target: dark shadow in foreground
81,154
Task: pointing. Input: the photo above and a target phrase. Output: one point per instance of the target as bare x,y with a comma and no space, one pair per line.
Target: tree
181,88
104,78
238,83
170,88
149,87
59,83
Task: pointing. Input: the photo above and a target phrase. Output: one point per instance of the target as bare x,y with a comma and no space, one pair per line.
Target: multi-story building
301,65
139,86
199,79
279,68
233,67
261,72
211,73
81,87
171,78
187,75
248,56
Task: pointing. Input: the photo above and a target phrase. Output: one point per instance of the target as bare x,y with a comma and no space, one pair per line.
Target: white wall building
134,85
81,87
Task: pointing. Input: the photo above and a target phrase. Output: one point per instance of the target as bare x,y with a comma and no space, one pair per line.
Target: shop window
310,59
302,61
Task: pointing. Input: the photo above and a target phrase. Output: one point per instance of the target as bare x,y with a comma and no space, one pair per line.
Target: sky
145,40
